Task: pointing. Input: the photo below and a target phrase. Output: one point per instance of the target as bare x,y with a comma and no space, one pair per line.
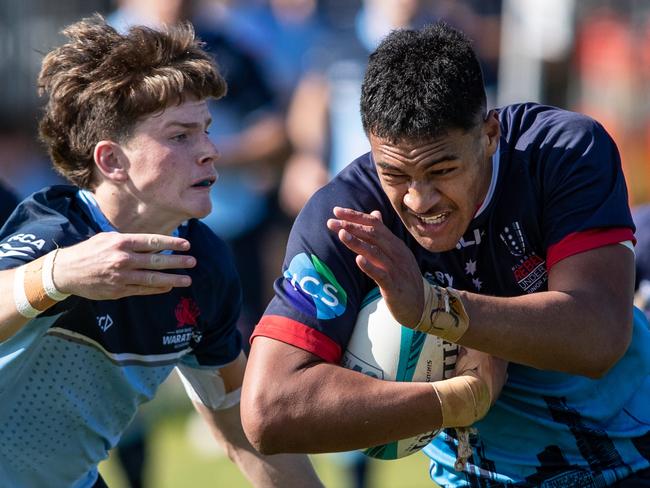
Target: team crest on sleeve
21,245
530,269
313,289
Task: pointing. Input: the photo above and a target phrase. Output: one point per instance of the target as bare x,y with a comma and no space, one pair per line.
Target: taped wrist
34,289
444,314
48,278
464,399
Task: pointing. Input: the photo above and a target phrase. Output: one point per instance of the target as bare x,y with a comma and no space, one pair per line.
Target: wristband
464,399
444,314
30,297
20,298
48,278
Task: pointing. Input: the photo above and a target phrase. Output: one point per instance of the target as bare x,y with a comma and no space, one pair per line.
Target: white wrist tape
20,297
444,314
48,279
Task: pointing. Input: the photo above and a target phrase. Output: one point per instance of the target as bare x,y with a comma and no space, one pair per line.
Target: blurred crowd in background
294,67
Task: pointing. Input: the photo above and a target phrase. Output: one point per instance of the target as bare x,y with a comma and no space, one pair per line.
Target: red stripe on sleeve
299,335
578,242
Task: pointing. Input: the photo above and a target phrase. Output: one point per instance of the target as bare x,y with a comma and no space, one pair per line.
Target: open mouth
205,183
438,218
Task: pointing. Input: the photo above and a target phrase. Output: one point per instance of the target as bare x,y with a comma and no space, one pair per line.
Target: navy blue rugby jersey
557,189
73,377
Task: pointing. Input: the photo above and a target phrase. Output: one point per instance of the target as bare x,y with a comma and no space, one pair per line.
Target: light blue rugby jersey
72,378
587,433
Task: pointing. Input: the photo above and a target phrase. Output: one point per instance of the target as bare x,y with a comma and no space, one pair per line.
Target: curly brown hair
101,83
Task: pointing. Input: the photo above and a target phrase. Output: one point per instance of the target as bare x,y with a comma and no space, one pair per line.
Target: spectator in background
23,164
611,79
282,33
481,21
8,201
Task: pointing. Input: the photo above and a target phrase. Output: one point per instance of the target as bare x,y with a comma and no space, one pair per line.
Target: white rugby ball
382,348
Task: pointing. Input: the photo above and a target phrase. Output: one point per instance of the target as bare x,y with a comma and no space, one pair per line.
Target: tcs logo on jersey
313,289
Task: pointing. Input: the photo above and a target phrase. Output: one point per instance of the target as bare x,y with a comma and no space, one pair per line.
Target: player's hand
111,265
384,258
492,370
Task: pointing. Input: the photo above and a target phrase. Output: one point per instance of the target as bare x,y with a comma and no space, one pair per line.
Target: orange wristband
30,296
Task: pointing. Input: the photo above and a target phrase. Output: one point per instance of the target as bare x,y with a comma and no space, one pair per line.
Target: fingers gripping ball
382,348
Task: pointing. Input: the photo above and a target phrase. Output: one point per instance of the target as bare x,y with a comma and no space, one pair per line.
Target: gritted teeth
434,219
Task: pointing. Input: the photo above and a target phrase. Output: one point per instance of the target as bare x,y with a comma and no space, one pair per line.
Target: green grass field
178,462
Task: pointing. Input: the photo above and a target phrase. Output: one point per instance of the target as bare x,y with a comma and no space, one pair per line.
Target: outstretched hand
111,265
385,258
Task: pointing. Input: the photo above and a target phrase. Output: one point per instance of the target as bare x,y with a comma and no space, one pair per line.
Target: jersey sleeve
584,196
318,296
32,231
220,343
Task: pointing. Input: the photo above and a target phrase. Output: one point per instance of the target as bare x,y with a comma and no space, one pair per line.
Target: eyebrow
188,125
446,157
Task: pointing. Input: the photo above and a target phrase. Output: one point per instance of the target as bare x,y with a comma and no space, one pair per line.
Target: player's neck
128,215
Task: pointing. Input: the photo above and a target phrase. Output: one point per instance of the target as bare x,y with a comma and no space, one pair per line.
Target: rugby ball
382,348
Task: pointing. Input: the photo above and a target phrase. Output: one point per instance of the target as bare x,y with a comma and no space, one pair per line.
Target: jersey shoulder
211,252
554,144
42,222
532,126
356,186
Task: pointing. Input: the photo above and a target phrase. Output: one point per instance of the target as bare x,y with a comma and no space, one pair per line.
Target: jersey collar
88,200
493,184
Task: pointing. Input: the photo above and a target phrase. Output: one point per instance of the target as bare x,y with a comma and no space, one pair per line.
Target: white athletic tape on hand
444,314
48,279
464,399
20,297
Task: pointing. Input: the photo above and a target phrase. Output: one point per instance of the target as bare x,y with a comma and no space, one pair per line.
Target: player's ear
111,161
491,131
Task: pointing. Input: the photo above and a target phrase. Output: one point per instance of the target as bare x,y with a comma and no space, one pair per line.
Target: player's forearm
326,408
577,333
10,320
282,471
25,292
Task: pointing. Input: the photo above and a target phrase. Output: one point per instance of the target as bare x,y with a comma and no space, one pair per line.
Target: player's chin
436,244
198,211
200,207
203,212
